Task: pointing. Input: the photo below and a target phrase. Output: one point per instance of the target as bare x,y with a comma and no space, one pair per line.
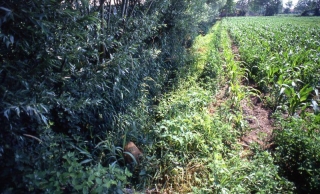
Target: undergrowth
298,151
198,150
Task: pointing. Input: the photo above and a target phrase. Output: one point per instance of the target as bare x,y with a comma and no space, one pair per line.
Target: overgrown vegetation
199,145
298,152
283,59
79,79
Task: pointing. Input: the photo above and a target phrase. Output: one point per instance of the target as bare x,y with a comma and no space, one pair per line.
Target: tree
288,7
75,73
306,6
228,9
272,7
266,7
289,4
243,6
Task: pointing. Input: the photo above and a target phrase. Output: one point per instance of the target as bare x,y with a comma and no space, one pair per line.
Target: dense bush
78,80
298,152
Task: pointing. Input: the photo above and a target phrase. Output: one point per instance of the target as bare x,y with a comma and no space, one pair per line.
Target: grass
197,150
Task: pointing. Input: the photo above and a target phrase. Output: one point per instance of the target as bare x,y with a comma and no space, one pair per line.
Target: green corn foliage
282,56
279,51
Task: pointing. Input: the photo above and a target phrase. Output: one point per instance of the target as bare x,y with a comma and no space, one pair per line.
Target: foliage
234,72
243,5
198,148
266,7
276,59
228,9
289,4
258,174
272,52
79,80
298,152
305,6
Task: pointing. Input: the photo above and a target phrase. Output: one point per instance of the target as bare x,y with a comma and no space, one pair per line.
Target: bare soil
257,116
259,122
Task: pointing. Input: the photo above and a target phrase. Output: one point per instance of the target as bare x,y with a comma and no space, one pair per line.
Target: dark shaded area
311,12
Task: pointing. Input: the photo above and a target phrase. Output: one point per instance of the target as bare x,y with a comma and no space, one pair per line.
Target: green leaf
85,190
289,92
91,178
127,172
11,39
108,184
86,161
78,187
99,181
304,93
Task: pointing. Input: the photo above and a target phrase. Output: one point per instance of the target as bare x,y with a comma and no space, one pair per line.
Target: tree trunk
102,46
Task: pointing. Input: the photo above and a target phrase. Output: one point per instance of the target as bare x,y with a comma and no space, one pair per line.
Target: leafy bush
298,151
77,73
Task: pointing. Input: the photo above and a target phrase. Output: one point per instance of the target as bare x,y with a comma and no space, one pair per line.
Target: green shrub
298,151
74,74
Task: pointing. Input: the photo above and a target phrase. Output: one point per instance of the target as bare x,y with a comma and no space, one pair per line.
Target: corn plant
198,149
296,98
274,51
283,60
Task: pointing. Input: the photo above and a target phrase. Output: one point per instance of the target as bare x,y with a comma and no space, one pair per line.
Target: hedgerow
79,79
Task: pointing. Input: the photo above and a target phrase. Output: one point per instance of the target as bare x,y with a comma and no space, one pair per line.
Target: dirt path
259,121
257,116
